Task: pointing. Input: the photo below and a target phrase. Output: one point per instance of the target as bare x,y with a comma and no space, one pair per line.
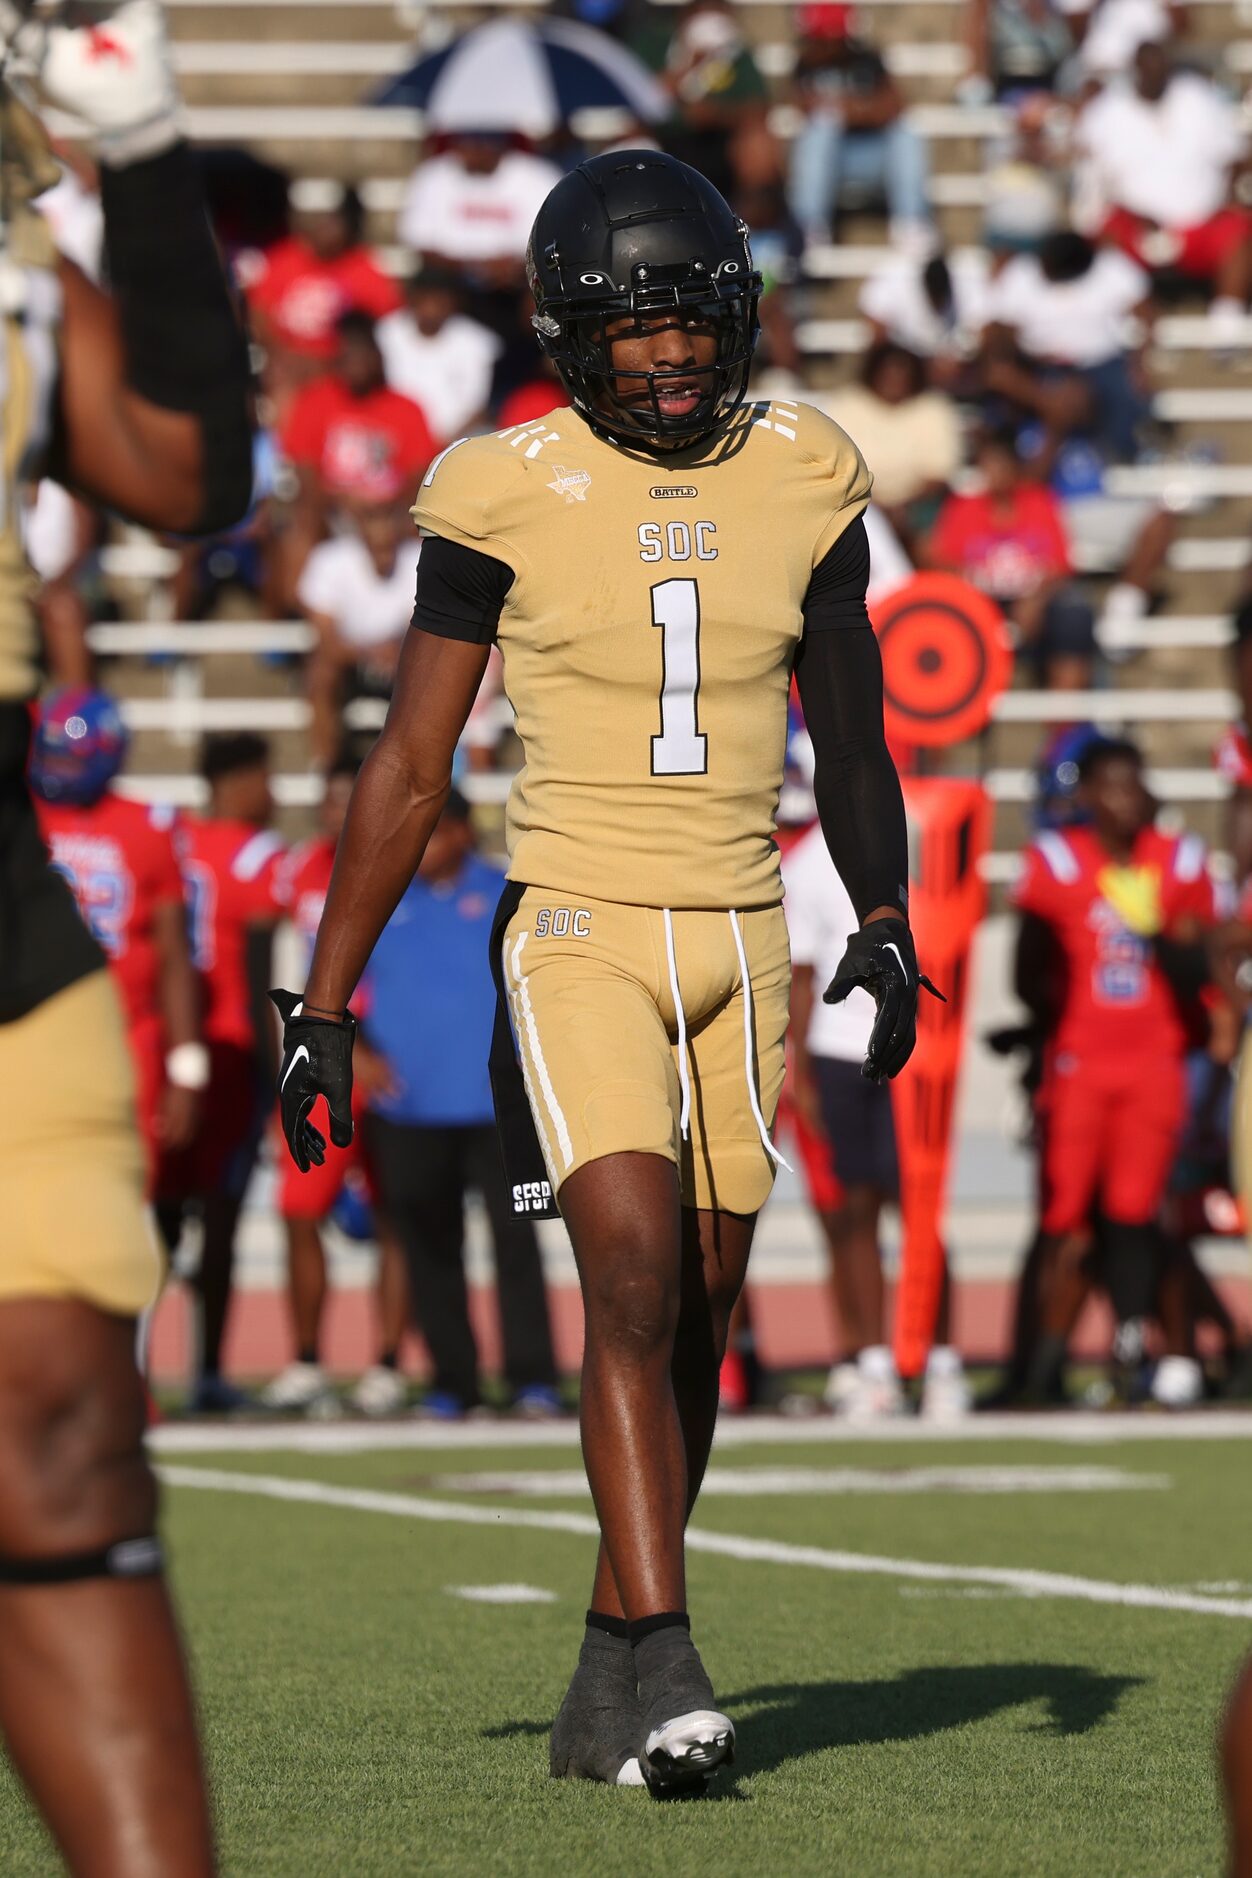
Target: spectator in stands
759,195
1024,198
232,863
356,591
1110,32
908,432
1008,538
1160,160
432,1136
855,131
716,87
437,356
311,279
245,557
469,209
935,308
351,438
1072,318
1017,46
305,1201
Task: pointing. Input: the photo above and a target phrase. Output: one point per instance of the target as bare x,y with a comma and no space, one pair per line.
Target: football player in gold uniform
653,562
139,399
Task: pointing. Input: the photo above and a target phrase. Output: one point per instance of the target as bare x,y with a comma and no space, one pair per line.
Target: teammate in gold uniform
139,400
655,563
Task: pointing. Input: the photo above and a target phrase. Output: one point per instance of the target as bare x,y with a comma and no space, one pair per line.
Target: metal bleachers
292,78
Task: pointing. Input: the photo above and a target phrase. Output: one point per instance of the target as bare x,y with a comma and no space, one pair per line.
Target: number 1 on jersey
680,750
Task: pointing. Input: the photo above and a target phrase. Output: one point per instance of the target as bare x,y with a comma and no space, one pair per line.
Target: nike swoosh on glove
317,1061
880,959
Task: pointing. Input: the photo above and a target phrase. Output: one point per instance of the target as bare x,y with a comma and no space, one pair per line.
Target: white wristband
187,1066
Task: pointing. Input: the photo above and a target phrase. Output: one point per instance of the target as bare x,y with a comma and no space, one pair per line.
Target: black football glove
881,959
317,1061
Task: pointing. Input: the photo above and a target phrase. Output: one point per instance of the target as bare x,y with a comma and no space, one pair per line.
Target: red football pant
1111,1131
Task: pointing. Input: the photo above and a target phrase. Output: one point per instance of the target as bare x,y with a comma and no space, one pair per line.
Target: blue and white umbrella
515,75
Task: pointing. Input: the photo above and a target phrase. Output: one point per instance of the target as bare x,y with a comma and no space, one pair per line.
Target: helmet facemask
574,333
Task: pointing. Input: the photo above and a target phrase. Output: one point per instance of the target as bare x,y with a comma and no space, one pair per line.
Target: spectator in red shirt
1103,909
310,280
118,856
1008,539
351,437
232,864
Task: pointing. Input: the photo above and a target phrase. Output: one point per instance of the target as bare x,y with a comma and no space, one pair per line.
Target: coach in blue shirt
431,1132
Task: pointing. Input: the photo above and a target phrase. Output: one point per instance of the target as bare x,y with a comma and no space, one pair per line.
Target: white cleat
297,1389
867,1390
381,1391
946,1395
1178,1382
684,1752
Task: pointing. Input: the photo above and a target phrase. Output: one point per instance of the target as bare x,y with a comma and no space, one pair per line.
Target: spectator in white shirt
434,354
1076,312
356,590
829,1042
935,308
472,207
1160,160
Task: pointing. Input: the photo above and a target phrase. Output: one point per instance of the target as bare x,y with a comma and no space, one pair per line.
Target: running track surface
794,1324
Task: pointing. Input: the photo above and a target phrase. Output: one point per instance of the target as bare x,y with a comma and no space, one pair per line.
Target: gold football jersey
648,639
30,309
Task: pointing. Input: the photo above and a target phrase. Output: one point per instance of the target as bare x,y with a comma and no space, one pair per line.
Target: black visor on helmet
630,244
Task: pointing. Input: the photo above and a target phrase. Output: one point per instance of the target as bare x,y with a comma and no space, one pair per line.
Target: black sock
643,1627
611,1626
1047,1365
388,1360
308,1354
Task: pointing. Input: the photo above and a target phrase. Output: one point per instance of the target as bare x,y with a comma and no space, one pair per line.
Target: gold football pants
651,1032
72,1218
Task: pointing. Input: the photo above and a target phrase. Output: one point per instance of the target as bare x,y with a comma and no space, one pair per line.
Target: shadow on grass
785,1721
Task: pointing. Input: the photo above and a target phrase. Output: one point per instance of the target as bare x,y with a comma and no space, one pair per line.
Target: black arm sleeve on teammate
186,349
460,592
839,673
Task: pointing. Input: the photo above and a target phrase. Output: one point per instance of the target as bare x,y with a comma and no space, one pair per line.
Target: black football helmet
634,234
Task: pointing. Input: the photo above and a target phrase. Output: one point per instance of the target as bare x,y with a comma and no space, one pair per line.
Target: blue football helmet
79,746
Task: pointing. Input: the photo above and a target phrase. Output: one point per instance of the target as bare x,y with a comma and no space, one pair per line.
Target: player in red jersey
1105,911
305,1200
118,856
232,863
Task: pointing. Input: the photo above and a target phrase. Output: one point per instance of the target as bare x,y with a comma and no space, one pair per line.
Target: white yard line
1036,1584
1080,1429
750,1483
502,1594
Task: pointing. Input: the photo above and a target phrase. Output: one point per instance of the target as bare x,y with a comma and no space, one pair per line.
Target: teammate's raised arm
154,398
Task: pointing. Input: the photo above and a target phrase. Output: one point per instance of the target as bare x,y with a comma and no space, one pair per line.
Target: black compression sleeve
460,592
836,591
859,800
186,349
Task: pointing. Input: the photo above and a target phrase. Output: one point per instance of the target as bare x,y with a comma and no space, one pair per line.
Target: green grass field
363,1717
